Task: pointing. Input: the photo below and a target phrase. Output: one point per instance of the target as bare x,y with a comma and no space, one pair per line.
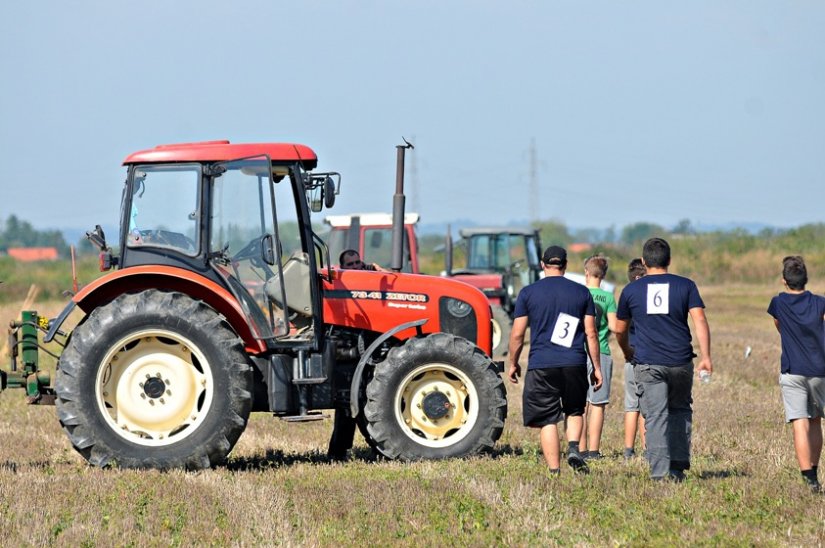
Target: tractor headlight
458,308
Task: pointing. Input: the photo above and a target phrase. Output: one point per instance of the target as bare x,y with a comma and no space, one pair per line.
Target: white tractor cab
371,235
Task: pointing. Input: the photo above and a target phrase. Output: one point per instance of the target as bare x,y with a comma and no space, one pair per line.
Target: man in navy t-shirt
799,316
562,316
662,356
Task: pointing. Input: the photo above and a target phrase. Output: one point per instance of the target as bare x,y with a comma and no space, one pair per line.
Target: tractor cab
242,223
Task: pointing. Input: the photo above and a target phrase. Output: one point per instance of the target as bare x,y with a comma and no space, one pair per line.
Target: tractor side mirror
268,250
315,199
329,192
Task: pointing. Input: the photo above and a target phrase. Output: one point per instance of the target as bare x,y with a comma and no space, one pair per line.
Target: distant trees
17,233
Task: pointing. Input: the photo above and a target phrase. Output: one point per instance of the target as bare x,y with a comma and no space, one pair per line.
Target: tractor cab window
378,247
163,208
255,231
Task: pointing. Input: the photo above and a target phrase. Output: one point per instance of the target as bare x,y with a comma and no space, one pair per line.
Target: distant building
579,247
31,254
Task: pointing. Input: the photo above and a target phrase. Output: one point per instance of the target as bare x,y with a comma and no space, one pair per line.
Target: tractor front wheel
154,380
435,397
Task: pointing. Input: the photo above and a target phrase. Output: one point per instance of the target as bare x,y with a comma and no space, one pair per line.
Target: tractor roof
477,231
369,219
221,151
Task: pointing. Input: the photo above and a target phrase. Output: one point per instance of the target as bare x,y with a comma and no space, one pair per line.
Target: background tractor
498,261
371,235
220,300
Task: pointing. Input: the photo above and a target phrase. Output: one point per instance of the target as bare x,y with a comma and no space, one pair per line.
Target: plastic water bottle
704,376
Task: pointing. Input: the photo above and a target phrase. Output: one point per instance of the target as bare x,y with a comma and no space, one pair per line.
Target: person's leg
680,416
631,408
343,434
815,440
550,446
802,442
652,389
631,421
595,424
583,436
574,397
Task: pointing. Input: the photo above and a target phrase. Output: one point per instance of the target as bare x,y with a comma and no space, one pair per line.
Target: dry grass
744,488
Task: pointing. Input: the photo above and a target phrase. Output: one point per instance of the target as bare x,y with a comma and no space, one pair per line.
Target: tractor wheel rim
154,387
436,405
496,333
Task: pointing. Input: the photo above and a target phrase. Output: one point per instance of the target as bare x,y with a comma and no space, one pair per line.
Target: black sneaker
576,462
815,487
629,453
592,455
677,475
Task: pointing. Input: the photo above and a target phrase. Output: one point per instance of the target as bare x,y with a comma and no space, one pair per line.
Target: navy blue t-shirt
658,304
801,330
555,308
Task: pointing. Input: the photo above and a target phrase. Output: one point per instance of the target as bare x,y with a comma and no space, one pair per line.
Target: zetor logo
390,296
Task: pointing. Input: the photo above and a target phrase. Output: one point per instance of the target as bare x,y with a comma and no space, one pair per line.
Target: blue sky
639,111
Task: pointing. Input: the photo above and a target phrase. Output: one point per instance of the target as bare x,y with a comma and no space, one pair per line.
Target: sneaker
677,475
815,487
629,453
592,455
577,463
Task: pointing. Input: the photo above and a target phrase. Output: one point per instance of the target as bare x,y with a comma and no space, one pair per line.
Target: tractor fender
355,387
167,278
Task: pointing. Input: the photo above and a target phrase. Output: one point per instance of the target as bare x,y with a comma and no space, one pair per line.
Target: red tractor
223,301
498,261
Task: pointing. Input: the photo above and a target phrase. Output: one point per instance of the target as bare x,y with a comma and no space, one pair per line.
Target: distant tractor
498,261
370,234
223,301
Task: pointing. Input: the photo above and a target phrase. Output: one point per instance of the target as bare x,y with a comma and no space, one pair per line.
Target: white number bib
564,330
658,298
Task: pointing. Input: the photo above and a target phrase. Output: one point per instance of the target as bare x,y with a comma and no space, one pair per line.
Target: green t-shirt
605,302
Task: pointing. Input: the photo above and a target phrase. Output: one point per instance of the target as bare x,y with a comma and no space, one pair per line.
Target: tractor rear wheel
501,331
154,380
435,397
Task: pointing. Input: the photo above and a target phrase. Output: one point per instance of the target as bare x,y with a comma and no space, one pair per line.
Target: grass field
744,488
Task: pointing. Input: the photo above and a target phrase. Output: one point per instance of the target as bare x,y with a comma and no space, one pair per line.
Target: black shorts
554,393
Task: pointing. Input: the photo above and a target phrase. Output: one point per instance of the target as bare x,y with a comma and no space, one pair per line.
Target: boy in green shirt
595,269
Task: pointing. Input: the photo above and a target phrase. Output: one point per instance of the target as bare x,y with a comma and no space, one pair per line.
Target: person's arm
622,339
594,351
611,321
700,324
516,345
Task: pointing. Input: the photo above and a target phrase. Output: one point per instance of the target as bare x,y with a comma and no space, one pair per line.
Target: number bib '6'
658,298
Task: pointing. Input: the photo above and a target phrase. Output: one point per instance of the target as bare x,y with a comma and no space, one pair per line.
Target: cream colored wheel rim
154,387
496,332
436,405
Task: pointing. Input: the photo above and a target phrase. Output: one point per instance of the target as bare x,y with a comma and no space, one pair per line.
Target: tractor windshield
164,208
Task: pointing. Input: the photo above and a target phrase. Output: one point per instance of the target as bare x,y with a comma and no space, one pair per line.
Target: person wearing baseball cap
561,316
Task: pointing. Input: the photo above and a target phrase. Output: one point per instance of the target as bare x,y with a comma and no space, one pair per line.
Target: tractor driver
351,260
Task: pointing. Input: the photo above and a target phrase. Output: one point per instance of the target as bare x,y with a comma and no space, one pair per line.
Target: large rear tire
501,331
435,397
154,380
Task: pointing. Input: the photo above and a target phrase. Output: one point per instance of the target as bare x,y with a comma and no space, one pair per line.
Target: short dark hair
794,272
596,266
635,269
656,253
346,252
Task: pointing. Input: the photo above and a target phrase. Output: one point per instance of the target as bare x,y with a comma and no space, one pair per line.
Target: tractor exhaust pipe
448,252
398,208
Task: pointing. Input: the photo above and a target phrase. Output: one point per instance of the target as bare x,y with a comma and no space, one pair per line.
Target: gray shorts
602,395
804,397
631,395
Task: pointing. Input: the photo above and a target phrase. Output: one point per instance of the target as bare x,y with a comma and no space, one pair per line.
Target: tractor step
309,417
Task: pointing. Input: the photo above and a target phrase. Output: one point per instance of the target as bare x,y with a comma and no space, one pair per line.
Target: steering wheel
168,238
